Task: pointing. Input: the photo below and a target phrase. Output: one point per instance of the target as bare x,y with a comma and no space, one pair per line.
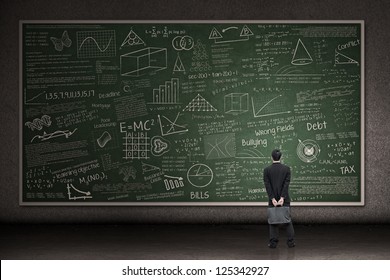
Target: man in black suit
277,180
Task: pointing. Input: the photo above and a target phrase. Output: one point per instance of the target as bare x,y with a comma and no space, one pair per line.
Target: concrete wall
377,91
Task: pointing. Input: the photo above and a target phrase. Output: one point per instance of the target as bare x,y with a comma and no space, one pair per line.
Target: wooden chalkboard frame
362,112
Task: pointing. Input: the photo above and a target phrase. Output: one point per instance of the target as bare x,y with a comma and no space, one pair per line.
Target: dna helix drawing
38,124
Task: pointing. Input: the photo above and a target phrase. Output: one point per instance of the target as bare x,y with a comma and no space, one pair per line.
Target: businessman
277,180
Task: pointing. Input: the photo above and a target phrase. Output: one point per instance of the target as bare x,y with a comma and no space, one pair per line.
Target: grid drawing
136,145
91,44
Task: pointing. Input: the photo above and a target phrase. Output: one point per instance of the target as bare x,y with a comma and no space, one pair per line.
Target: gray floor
120,242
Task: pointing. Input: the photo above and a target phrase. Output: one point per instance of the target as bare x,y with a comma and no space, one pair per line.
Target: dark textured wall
377,111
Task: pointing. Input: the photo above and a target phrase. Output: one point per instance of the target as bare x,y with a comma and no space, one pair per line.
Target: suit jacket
277,180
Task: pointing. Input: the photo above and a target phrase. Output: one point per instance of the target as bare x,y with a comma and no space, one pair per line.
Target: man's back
277,179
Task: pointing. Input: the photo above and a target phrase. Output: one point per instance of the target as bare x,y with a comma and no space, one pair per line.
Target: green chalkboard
187,113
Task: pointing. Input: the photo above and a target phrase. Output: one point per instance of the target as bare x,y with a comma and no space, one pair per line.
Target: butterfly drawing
59,43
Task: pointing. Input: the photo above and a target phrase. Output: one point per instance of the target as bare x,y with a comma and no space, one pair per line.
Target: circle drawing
308,150
200,175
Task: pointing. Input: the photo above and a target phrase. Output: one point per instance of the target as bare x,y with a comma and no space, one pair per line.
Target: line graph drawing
30,101
93,44
200,175
269,108
55,134
220,146
80,194
169,127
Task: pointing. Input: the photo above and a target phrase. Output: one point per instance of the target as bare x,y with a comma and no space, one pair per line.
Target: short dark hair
276,154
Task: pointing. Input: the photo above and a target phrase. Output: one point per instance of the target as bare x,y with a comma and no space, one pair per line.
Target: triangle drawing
199,104
148,167
301,55
214,34
246,31
340,58
178,67
132,39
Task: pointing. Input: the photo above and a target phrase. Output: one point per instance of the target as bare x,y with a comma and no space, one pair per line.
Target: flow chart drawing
92,44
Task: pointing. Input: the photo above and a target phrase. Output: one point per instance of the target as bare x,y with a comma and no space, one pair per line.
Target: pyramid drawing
132,39
340,58
178,67
199,104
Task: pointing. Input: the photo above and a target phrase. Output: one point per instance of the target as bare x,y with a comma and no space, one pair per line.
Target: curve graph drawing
91,44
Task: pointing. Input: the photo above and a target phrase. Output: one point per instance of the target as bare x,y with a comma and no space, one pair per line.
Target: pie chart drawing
200,175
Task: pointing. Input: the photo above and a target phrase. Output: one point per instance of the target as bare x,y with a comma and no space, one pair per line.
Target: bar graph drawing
167,93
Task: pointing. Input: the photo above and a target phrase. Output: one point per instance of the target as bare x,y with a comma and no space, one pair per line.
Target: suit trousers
274,232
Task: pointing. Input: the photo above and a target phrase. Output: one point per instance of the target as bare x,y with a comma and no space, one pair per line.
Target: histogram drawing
94,44
173,182
167,93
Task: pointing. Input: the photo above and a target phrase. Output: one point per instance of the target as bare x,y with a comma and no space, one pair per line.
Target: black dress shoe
272,245
291,244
